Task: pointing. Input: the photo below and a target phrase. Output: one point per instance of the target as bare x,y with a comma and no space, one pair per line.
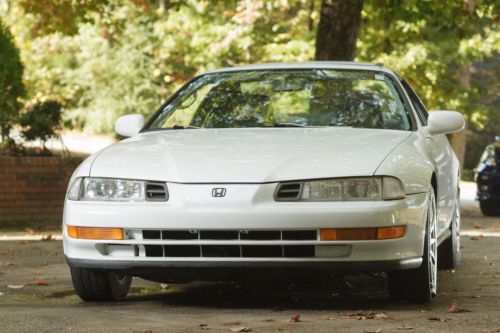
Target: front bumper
245,208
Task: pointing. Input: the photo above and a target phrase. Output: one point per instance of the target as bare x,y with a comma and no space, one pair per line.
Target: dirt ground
357,303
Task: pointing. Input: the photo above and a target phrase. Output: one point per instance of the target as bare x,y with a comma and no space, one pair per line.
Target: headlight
108,189
342,189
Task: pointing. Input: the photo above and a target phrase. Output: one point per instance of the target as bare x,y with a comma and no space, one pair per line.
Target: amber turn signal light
391,232
346,234
95,233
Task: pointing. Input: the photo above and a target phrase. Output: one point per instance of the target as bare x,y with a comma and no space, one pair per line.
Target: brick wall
32,191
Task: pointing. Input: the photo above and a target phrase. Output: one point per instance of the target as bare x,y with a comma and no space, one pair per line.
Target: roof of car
305,65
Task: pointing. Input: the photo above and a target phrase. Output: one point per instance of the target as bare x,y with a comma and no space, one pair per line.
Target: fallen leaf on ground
164,286
15,286
47,237
360,315
405,327
41,283
477,225
437,319
241,329
381,316
204,327
30,231
374,331
454,308
295,318
232,323
475,296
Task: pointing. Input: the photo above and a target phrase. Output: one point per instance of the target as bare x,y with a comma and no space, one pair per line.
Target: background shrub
11,84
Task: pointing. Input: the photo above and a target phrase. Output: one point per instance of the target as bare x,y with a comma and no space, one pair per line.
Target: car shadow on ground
339,293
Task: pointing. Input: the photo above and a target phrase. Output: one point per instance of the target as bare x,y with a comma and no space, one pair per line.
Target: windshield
291,98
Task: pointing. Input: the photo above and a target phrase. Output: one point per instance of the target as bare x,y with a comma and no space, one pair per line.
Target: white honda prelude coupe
249,172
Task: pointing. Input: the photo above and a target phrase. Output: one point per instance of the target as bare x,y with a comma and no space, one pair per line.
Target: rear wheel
420,284
100,286
449,250
489,207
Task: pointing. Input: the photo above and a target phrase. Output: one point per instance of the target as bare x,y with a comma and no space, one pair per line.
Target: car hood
252,155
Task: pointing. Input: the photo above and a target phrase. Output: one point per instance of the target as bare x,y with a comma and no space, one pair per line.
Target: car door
440,152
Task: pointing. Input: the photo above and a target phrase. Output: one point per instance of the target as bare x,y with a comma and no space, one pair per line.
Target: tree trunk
459,140
338,29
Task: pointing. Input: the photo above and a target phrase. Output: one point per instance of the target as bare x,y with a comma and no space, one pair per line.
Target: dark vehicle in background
488,179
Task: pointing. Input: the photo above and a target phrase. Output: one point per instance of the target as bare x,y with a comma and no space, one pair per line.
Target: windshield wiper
175,127
288,125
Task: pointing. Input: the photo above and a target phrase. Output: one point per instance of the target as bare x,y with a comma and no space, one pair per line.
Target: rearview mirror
129,125
444,122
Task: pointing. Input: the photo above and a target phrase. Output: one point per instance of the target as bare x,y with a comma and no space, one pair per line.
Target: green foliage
440,48
108,58
105,59
11,84
41,120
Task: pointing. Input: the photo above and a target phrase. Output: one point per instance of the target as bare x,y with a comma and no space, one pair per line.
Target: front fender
410,164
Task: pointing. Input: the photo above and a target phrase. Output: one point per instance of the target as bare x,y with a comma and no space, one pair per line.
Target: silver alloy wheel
432,243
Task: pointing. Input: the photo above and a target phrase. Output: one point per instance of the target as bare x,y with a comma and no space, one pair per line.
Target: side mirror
129,125
444,122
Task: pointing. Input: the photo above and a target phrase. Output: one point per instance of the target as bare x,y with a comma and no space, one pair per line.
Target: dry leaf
454,308
405,327
477,225
15,286
381,316
360,315
30,231
378,330
241,329
295,318
47,237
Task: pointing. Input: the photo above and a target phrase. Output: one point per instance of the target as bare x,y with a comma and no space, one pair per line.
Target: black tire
420,284
489,207
99,286
449,250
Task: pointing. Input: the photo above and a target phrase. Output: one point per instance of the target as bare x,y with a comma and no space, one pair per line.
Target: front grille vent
246,235
156,192
288,191
230,251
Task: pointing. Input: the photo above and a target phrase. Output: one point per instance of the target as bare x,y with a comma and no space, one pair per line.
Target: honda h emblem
218,192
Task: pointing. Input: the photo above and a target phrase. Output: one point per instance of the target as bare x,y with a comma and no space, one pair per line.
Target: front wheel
449,250
489,207
420,284
100,286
